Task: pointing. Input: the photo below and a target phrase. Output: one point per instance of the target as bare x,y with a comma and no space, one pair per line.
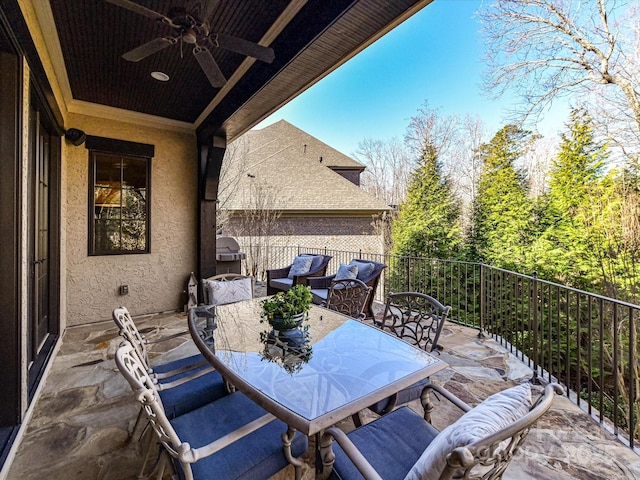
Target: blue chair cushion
316,262
391,444
256,455
404,396
319,295
181,362
192,394
365,269
281,283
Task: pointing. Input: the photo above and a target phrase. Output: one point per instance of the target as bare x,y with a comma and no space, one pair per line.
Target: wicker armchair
279,279
320,285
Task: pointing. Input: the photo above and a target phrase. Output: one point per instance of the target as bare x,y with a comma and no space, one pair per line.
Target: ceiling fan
193,29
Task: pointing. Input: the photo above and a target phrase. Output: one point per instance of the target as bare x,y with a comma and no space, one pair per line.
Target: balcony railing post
482,300
534,304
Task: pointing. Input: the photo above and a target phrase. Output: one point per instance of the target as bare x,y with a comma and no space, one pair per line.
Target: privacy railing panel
585,341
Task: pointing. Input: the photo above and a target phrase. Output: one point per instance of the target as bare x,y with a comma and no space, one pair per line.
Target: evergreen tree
502,214
563,252
428,222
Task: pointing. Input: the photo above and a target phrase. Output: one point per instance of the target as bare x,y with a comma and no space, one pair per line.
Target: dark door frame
10,239
18,50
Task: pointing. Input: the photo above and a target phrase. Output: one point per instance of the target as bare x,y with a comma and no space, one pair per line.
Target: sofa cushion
301,265
319,295
281,283
230,291
365,269
346,272
317,261
495,413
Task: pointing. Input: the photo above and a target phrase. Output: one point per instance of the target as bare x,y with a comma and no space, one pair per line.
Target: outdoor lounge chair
418,319
231,438
368,272
402,445
348,297
304,266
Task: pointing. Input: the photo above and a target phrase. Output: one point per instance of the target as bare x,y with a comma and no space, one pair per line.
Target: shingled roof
294,170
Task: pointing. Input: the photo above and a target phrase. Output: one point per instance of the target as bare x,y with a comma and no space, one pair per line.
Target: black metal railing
583,340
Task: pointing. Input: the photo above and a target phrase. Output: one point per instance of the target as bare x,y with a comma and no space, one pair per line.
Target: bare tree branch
544,49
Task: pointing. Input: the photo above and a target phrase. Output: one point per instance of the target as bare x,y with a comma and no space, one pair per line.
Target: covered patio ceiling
310,38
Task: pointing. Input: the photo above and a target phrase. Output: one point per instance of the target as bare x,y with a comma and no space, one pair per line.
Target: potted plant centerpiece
287,310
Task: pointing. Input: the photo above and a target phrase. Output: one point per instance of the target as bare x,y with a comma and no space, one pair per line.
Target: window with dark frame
119,203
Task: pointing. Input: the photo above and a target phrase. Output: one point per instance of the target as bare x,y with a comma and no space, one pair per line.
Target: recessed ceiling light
163,77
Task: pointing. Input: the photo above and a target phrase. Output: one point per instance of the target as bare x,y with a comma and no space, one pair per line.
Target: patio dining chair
231,438
183,384
304,266
480,444
349,297
418,319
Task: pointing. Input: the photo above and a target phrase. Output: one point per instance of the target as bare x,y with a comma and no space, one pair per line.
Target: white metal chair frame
130,332
141,383
493,452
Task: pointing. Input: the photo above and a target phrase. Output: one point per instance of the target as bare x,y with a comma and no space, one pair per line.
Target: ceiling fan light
189,37
163,77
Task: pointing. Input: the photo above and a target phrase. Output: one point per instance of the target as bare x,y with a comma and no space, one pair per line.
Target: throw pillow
231,291
495,413
301,265
317,261
365,269
346,272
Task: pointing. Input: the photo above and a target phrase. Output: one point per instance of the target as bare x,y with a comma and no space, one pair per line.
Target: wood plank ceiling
309,38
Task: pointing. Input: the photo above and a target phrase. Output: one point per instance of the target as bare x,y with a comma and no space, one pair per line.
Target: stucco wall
155,280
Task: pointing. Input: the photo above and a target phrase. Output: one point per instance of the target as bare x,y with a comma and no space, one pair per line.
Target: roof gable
308,144
268,171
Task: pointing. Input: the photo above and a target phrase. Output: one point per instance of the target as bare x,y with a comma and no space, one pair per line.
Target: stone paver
79,428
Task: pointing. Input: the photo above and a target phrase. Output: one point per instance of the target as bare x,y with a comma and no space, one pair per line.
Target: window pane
133,235
135,189
120,209
107,236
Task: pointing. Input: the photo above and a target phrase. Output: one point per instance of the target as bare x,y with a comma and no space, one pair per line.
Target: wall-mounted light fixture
75,136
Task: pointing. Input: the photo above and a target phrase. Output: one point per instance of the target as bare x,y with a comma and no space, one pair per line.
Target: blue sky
436,55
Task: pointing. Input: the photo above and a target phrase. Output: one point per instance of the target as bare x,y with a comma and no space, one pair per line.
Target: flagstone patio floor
79,427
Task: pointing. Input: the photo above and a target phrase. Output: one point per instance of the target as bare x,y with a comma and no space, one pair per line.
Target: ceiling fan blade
243,47
209,66
134,7
149,48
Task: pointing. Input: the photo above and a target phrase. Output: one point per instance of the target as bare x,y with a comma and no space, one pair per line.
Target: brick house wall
332,232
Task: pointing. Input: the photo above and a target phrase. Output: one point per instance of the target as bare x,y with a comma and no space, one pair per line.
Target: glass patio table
311,377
